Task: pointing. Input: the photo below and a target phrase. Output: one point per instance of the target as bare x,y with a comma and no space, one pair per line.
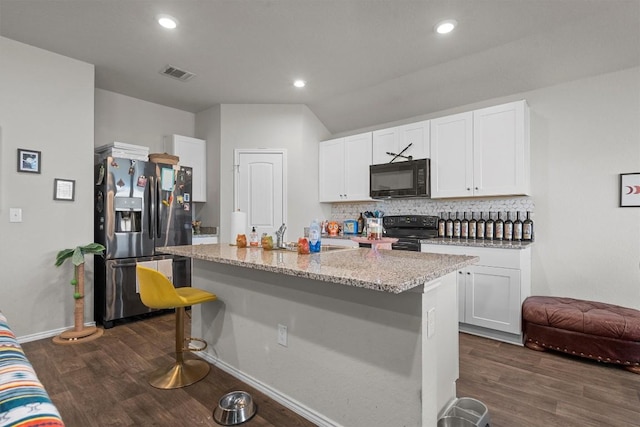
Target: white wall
125,119
47,105
292,127
583,135
208,128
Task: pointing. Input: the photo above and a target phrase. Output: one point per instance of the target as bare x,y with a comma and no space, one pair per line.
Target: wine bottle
464,227
517,227
527,228
441,225
472,226
482,227
361,224
498,233
508,228
449,227
489,228
456,226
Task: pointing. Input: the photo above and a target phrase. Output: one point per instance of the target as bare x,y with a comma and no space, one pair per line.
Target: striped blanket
23,400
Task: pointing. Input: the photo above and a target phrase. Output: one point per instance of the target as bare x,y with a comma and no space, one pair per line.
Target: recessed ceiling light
299,83
446,27
167,21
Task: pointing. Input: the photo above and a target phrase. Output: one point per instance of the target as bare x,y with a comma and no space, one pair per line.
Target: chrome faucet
279,235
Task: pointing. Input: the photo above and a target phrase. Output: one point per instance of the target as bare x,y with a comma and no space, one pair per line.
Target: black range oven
409,230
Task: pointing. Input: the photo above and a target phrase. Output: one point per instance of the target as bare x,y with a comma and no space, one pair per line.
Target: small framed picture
630,190
64,189
29,160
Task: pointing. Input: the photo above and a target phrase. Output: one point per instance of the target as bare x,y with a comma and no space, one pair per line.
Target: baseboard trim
286,401
515,339
47,334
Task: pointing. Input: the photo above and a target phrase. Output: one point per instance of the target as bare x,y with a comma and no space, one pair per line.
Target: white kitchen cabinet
192,153
344,168
452,156
395,139
491,292
481,153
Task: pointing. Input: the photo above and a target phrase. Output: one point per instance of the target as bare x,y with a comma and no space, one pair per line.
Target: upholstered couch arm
23,400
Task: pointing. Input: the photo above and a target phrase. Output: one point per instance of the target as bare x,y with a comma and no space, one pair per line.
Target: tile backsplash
342,211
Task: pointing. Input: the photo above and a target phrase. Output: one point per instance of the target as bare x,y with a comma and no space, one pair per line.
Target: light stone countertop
477,243
381,270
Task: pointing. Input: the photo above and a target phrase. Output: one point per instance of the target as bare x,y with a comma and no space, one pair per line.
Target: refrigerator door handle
158,205
124,265
152,210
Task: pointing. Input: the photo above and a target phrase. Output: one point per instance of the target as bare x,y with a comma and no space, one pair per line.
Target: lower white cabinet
491,292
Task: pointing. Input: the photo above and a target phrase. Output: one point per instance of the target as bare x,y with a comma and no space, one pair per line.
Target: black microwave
402,179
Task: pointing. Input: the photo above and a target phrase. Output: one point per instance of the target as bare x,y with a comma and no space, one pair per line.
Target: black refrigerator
139,206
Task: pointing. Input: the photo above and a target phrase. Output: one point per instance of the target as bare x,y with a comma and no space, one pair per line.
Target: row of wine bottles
477,227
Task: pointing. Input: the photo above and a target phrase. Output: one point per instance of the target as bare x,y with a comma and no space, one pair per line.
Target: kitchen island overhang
358,344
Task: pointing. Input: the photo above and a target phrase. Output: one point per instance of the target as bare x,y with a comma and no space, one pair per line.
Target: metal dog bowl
234,408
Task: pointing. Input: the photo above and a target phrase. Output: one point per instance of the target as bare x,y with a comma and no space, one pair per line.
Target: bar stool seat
157,292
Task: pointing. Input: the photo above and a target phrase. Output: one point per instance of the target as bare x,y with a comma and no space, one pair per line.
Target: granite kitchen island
371,336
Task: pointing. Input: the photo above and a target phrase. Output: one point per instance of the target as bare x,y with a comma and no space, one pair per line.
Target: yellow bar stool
157,292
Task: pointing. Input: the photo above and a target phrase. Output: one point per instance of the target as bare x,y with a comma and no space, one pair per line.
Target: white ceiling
367,62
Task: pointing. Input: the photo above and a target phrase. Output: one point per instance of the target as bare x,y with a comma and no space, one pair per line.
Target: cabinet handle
477,188
468,188
459,272
469,273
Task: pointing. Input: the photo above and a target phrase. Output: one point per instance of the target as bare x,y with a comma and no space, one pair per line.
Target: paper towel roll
238,225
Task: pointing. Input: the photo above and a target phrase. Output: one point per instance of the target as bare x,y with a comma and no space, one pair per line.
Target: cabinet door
501,150
331,170
493,298
384,141
416,134
357,155
396,139
192,153
452,156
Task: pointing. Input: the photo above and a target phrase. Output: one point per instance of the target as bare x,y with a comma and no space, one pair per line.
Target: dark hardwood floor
103,383
522,387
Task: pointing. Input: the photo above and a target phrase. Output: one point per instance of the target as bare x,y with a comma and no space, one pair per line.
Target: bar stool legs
183,372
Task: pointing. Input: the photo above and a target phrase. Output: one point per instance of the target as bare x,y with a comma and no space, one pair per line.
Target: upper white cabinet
344,168
394,140
192,153
481,153
452,156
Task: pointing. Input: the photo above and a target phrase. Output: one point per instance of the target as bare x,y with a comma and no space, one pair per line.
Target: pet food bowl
234,408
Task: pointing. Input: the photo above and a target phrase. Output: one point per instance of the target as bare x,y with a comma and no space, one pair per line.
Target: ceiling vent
177,73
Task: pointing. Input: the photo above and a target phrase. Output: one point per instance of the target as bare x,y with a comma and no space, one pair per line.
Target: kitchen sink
323,248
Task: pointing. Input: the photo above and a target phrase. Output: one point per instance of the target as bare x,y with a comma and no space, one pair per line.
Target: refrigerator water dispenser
128,214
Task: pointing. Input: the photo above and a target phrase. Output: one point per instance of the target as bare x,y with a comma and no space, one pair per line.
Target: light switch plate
15,215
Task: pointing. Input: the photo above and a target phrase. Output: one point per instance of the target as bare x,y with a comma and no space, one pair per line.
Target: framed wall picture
29,160
630,190
64,189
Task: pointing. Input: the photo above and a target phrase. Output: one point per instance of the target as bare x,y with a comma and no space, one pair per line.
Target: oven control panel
410,221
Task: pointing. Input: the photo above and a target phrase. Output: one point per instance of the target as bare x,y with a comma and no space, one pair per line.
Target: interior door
260,188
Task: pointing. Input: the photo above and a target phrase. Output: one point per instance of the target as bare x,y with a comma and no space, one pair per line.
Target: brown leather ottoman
603,332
